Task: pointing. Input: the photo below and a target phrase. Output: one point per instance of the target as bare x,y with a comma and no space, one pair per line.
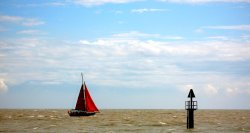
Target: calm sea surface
118,121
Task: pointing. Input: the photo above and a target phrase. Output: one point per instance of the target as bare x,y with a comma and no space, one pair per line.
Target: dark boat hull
74,112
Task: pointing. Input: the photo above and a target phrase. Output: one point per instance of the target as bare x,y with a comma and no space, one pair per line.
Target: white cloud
247,91
134,43
218,37
199,30
232,90
3,86
21,20
84,42
137,35
223,27
32,22
245,36
230,27
101,2
30,42
30,32
210,89
55,4
138,44
125,60
172,37
6,18
204,1
144,10
186,88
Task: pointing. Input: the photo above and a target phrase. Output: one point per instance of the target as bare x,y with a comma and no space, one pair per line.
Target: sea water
119,121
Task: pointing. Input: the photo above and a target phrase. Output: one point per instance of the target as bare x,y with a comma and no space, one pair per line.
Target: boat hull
74,112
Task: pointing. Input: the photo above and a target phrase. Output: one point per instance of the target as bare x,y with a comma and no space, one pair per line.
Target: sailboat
85,106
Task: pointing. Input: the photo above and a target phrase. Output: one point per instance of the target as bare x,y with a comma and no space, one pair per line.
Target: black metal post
190,119
190,107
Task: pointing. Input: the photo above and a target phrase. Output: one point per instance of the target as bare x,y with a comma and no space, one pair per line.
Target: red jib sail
80,104
84,101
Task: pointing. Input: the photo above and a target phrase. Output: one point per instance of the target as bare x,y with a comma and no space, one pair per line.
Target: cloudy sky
133,53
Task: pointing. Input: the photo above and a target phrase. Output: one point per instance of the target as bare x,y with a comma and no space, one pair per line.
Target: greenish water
119,121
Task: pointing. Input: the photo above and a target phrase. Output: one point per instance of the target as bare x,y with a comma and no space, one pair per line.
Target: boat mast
84,97
82,78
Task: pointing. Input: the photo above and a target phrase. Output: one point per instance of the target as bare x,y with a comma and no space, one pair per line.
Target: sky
134,54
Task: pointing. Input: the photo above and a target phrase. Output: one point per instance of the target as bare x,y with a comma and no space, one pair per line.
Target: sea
124,121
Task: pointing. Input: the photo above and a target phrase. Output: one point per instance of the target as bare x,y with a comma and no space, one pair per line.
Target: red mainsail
84,101
90,105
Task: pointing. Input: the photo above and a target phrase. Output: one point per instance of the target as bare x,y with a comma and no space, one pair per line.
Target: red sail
90,105
80,105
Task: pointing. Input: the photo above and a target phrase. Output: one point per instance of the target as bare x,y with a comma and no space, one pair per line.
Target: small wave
35,128
20,115
158,124
40,116
129,125
171,129
126,117
243,129
163,123
52,125
31,116
174,116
